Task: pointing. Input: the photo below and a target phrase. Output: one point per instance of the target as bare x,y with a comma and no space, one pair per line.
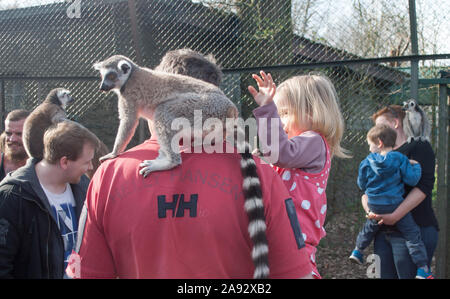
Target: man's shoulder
13,192
143,151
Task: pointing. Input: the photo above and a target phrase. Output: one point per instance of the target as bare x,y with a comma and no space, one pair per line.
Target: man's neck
50,177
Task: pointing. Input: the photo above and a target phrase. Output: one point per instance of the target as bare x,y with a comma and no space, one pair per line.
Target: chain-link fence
364,46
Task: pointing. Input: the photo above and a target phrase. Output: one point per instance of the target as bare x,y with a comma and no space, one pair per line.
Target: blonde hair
313,99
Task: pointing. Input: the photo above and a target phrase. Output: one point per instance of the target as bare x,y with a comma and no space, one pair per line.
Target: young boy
381,176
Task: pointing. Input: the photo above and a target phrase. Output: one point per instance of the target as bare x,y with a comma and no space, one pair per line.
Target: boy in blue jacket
381,176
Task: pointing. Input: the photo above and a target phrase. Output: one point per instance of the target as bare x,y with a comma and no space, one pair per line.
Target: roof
307,50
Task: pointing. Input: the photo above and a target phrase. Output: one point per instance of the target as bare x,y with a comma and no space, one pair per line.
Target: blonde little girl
310,129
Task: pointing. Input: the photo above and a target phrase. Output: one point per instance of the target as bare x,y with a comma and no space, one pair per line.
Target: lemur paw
107,157
149,166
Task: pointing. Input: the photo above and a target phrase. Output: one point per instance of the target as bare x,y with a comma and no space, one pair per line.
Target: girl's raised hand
266,88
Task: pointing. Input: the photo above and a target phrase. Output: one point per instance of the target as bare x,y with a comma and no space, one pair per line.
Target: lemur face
114,75
64,97
59,96
409,105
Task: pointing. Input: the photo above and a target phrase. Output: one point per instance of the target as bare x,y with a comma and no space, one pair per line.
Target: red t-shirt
188,222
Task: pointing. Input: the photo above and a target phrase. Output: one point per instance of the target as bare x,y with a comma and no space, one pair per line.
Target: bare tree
376,28
306,16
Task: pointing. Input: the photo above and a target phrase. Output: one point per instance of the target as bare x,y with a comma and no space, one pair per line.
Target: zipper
46,247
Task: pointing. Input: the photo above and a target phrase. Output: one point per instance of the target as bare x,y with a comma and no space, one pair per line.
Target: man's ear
63,162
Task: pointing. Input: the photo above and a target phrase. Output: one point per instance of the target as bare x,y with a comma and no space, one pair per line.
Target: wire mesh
47,44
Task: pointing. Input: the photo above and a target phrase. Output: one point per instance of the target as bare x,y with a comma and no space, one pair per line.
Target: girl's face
287,118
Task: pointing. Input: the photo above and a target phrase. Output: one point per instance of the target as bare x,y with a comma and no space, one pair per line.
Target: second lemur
51,111
415,123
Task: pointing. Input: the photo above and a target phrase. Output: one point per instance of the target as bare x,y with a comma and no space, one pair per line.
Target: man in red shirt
187,222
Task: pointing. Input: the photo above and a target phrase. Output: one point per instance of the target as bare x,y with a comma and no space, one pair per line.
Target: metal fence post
443,207
2,104
414,50
142,127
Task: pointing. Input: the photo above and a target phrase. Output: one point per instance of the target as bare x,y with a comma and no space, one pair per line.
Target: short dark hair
193,64
17,114
382,133
66,138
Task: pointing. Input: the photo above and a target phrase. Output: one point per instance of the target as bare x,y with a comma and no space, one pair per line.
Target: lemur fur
51,111
415,123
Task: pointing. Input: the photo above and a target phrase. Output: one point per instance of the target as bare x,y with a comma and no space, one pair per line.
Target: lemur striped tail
255,210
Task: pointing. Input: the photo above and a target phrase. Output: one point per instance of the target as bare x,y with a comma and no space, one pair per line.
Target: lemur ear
97,66
124,66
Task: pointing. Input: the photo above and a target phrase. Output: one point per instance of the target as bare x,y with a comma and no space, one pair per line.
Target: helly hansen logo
178,205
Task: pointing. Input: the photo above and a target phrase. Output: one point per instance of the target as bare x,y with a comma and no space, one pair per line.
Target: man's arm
95,256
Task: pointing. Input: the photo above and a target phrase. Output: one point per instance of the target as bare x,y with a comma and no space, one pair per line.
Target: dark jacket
422,152
31,245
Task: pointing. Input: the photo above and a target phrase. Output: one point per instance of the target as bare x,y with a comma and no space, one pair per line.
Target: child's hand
256,152
266,87
413,161
371,215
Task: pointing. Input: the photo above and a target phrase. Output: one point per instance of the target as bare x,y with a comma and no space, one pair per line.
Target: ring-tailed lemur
51,111
164,97
415,123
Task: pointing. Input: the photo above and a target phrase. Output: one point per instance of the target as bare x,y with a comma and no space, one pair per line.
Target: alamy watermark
374,269
74,9
207,135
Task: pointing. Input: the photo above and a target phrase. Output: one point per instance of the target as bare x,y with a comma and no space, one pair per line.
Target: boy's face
373,147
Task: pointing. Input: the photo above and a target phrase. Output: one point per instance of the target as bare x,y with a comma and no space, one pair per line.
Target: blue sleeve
362,176
410,173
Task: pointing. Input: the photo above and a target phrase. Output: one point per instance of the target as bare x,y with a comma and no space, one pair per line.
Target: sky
27,3
433,14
